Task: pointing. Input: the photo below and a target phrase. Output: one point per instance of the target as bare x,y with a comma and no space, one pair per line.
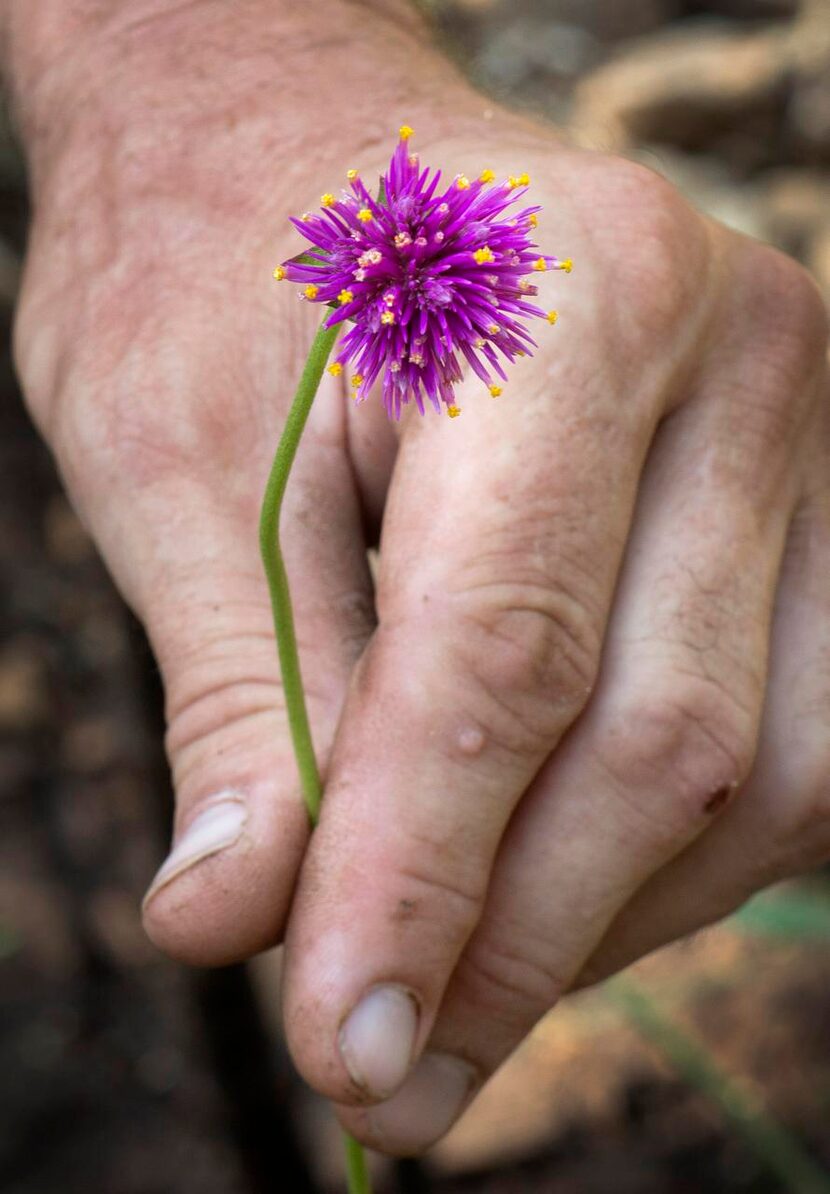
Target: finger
494,587
173,497
667,739
781,824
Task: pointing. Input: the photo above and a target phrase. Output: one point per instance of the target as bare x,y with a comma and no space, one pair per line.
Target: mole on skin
719,799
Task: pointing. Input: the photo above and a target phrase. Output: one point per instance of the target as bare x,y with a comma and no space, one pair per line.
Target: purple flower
426,278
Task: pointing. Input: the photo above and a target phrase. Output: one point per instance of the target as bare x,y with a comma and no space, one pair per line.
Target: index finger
503,537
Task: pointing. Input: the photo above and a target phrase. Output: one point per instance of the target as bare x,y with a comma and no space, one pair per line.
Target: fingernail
215,828
426,1106
377,1039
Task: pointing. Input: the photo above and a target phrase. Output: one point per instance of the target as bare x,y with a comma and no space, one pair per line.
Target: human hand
505,810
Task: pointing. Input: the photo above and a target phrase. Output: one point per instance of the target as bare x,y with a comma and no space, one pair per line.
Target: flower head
427,279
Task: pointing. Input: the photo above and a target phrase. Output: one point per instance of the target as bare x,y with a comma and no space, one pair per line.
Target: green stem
358,1174
269,545
292,682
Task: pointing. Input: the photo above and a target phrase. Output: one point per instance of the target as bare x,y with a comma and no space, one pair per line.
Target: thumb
240,826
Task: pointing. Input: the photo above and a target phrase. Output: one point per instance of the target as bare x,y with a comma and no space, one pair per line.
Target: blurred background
705,1069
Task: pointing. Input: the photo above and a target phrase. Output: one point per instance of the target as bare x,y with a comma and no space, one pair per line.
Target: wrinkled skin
587,708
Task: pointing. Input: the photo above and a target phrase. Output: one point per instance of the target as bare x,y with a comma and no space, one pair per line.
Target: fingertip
223,893
421,1112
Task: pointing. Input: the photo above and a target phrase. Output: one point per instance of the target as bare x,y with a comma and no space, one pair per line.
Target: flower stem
269,545
358,1174
292,682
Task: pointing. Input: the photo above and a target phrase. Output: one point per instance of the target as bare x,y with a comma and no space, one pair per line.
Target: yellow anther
345,296
462,182
364,215
305,217
495,390
311,291
335,369
453,411
327,200
540,265
387,317
533,219
494,329
405,132
279,273
351,175
357,379
483,255
512,182
566,265
487,176
552,316
520,352
524,180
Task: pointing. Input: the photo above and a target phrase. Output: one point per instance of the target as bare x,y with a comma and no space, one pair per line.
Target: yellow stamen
351,175
567,265
487,176
335,369
357,379
453,411
327,200
305,217
483,255
494,329
311,291
495,390
345,296
552,316
462,182
540,265
524,180
533,219
387,317
512,182
364,215
279,273
405,132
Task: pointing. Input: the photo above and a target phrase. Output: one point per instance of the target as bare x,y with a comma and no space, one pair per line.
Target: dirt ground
121,1073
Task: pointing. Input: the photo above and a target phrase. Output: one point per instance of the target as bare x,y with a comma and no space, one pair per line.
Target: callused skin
587,707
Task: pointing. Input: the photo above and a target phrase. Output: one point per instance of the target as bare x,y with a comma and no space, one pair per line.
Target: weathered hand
594,711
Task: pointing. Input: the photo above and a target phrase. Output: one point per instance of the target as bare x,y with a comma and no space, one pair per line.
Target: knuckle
222,692
531,655
786,317
506,984
440,888
661,248
678,754
802,314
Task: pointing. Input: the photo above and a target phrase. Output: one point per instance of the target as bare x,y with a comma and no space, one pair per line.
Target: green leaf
306,258
381,199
